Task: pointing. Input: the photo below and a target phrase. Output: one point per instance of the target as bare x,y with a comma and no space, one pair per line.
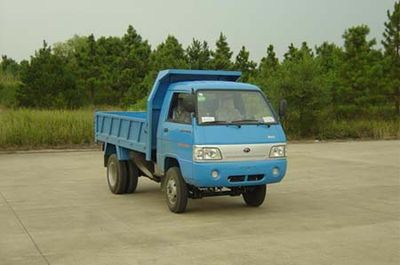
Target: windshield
233,106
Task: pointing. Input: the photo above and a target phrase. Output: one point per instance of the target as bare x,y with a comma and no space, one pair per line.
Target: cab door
176,132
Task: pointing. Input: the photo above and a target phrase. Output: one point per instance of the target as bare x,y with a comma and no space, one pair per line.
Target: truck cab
205,134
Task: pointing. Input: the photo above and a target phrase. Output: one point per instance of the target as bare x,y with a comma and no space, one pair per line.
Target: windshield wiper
252,121
222,122
246,120
214,122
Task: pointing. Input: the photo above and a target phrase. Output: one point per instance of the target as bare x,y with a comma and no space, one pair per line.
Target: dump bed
125,129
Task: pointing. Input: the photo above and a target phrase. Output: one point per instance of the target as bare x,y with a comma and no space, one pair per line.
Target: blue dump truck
203,134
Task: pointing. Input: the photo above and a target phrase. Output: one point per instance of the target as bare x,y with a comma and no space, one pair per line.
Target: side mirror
282,108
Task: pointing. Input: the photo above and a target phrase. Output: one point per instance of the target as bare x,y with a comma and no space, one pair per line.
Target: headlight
278,151
206,153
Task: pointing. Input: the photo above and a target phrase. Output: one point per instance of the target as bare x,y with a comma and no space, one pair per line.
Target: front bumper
236,174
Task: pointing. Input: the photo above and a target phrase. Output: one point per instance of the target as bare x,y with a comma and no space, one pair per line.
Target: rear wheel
255,196
116,175
133,175
176,191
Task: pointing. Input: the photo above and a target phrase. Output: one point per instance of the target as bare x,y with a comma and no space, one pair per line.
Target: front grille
240,178
255,177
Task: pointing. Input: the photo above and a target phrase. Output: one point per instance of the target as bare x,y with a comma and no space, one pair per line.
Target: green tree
270,62
299,81
292,53
305,50
9,65
110,52
330,58
70,47
267,73
47,82
199,55
222,55
9,81
243,64
361,74
88,70
391,43
168,54
135,65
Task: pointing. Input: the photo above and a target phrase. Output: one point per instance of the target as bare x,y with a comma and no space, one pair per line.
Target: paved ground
339,204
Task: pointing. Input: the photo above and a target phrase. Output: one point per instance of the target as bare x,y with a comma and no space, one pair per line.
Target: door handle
165,129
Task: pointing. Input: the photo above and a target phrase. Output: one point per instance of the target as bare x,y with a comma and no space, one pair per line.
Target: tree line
325,82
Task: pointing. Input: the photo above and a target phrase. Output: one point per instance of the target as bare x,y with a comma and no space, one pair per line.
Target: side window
182,104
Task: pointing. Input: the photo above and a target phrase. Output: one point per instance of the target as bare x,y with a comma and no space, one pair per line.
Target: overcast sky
253,23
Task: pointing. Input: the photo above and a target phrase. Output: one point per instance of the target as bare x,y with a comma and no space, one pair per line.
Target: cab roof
220,85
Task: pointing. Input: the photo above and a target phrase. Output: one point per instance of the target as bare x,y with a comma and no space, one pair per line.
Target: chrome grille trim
237,152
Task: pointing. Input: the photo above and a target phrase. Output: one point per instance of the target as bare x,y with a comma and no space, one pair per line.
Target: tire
255,196
176,191
116,175
133,175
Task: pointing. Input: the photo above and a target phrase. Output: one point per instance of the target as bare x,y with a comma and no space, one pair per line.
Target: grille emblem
246,150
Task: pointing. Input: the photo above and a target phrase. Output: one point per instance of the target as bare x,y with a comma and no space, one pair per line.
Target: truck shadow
232,205
274,203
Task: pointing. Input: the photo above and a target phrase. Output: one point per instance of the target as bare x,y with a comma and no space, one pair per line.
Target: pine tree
266,74
243,64
270,62
89,70
305,50
292,53
329,57
134,66
359,73
131,37
299,82
168,54
198,55
391,43
222,55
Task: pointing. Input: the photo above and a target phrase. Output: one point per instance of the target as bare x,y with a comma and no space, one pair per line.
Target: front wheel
176,190
255,196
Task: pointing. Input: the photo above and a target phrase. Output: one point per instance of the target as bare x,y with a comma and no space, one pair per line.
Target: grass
35,129
28,129
361,129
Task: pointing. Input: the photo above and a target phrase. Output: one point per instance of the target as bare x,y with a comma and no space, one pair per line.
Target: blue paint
201,173
122,153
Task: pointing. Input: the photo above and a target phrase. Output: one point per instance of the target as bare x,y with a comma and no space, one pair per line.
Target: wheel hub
112,174
171,191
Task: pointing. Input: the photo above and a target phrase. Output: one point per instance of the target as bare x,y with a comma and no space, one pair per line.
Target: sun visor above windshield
203,75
